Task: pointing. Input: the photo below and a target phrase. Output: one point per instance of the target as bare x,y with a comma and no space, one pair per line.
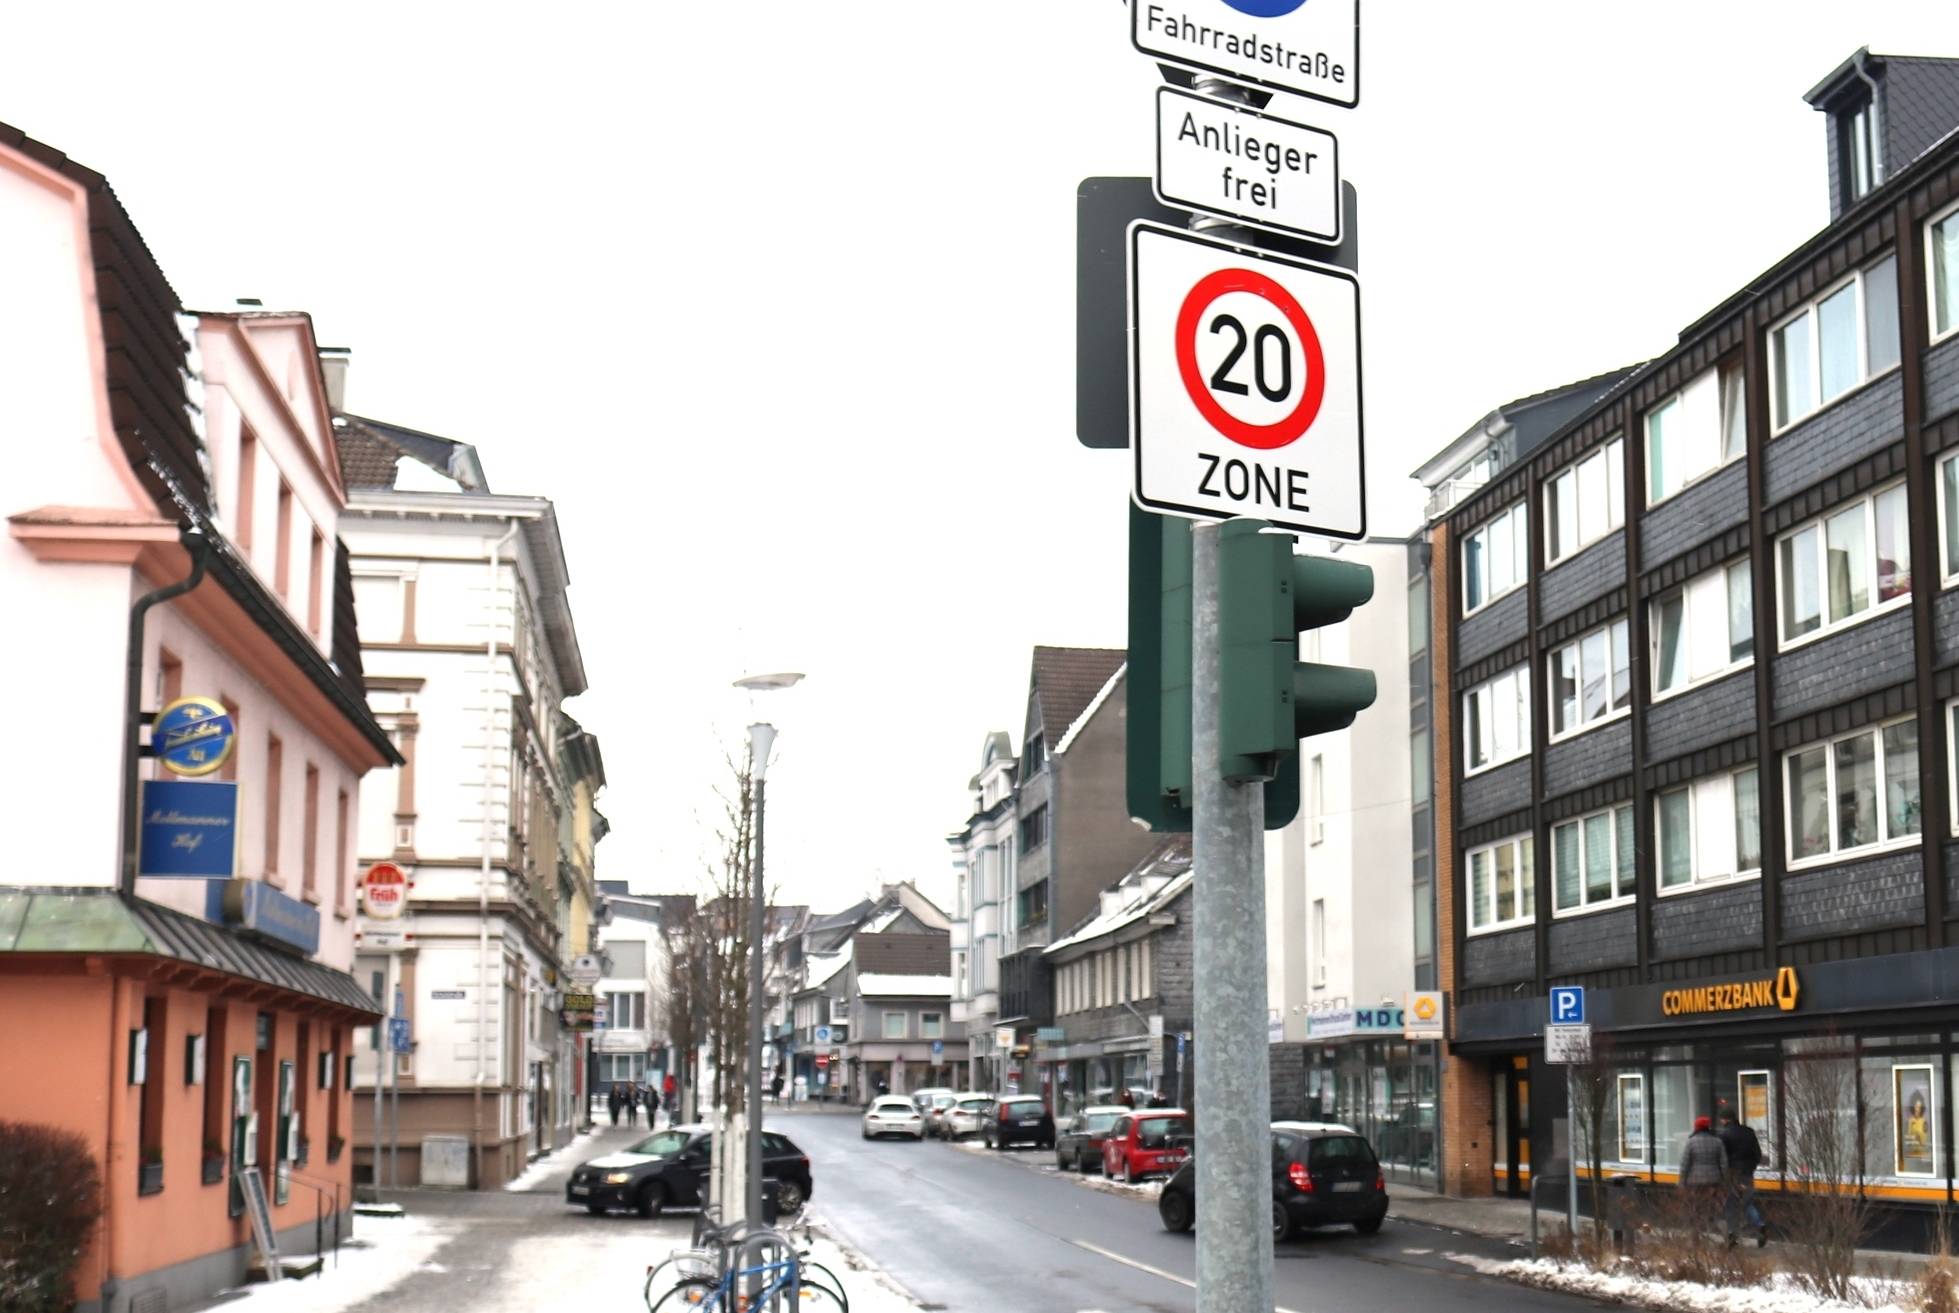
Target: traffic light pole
1233,1103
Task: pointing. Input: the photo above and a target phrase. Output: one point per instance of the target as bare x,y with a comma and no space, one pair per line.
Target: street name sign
1308,47
1565,1045
1245,377
1235,162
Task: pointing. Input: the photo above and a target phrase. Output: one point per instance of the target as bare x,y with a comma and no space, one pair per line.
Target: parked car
893,1114
935,1115
1148,1143
1017,1119
1322,1175
963,1118
922,1099
668,1168
1078,1139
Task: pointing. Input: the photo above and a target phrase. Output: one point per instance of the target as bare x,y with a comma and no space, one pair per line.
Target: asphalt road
971,1232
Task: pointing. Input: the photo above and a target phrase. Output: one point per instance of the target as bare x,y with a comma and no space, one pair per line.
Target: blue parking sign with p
1567,1005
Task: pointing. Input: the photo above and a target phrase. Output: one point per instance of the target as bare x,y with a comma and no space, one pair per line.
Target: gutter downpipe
1877,122
199,547
483,880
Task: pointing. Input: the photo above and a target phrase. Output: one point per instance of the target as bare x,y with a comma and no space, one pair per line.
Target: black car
1017,1119
668,1169
1320,1177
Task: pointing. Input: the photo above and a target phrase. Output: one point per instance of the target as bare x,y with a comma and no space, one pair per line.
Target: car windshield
1339,1151
1151,1128
893,1105
1098,1123
942,1101
1025,1112
663,1145
973,1105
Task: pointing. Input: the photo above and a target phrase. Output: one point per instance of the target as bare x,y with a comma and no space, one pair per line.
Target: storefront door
1510,1108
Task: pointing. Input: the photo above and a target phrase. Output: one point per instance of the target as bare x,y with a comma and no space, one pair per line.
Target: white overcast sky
775,300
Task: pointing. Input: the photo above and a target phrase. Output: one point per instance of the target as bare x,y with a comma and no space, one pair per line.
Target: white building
471,650
982,932
632,1045
1339,955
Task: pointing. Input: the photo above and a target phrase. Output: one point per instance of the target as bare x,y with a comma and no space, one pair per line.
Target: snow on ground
558,1159
384,1252
866,1285
1779,1294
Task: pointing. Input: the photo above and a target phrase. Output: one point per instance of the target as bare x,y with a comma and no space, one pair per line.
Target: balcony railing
1450,493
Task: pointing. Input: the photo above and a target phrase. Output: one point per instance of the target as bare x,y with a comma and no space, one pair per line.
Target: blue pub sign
187,829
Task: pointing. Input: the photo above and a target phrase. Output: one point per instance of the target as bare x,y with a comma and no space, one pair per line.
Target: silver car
893,1114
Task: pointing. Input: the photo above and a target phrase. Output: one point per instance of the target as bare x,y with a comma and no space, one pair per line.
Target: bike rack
766,1246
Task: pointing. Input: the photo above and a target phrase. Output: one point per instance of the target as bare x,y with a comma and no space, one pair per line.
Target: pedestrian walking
632,1105
612,1101
1704,1172
1744,1152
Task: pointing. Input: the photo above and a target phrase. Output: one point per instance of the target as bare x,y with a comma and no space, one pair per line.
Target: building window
275,767
315,585
282,546
1592,860
1585,501
1418,614
1496,558
247,502
894,1025
626,1010
1418,767
1709,830
1496,726
1033,904
1952,761
169,677
931,1025
309,860
1502,885
1942,256
1591,680
1033,757
1844,566
1704,629
1316,800
1034,829
1949,518
839,1011
1695,431
1319,943
1845,336
340,815
1861,150
1856,791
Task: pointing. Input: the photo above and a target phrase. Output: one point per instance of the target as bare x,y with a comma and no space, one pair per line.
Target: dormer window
1863,163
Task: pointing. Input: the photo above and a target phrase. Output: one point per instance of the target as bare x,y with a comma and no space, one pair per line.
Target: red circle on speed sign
1264,437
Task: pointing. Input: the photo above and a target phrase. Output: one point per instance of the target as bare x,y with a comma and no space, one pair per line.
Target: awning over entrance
101,921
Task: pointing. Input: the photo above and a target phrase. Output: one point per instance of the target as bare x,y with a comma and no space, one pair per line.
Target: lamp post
761,738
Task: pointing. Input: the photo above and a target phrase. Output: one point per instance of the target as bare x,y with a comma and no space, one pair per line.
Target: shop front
1842,1069
1360,1072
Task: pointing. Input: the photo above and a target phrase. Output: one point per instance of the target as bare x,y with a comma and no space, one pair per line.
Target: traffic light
1267,597
1158,684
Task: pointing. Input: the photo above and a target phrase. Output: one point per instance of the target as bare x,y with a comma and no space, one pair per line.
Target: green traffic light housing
1268,596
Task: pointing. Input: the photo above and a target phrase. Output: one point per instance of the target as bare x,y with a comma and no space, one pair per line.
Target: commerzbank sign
1780,991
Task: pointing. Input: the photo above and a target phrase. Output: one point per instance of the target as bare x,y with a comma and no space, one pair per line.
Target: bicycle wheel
816,1273
693,1293
818,1297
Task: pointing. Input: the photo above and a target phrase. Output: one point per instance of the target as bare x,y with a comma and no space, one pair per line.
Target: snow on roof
1088,712
1143,901
882,922
904,985
823,967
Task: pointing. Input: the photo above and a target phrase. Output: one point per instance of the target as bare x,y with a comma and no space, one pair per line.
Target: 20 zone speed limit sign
1245,370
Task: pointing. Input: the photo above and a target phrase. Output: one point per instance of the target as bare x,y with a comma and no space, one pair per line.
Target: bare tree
1823,1120
1594,1085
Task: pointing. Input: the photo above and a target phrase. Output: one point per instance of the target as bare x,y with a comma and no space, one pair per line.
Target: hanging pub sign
193,736
187,830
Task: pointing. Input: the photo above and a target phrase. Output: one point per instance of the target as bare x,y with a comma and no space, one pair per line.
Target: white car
893,1114
963,1118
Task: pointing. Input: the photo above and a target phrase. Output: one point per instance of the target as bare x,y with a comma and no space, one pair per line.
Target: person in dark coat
632,1104
1744,1151
1704,1171
612,1101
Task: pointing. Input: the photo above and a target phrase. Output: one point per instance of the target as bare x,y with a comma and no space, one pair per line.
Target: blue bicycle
776,1280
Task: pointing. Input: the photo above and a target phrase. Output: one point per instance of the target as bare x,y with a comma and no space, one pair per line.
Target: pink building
194,1027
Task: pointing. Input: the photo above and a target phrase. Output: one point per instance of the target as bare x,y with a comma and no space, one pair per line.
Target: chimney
333,368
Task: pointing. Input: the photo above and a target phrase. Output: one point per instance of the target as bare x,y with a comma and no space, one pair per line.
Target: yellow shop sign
1780,991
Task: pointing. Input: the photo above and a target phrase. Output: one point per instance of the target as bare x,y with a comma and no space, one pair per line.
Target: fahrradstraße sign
1307,47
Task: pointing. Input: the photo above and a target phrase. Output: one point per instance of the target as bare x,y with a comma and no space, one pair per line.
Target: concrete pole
756,987
1234,1084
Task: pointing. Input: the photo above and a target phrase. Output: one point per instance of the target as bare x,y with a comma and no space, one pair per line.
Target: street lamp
761,738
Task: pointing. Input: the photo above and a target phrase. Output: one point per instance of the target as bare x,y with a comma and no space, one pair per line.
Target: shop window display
1903,1099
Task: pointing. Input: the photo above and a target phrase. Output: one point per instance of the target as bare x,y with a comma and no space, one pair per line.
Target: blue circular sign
1265,8
193,736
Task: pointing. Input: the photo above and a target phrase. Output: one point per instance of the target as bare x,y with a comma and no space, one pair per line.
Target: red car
1146,1144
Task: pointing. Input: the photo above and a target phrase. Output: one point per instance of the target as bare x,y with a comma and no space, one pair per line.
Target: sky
776,302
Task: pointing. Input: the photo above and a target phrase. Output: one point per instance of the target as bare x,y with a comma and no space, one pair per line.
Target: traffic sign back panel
1246,384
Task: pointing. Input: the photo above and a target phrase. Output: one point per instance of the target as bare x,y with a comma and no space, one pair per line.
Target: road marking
1186,1282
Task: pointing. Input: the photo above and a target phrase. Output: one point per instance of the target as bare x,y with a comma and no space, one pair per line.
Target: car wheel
1060,1161
651,1200
1369,1225
788,1196
1082,1164
1122,1171
1281,1222
1174,1207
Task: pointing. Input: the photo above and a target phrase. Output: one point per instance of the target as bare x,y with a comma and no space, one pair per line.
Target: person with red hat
1704,1171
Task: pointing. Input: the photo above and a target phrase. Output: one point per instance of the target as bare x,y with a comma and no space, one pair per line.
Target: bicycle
724,1296
707,1264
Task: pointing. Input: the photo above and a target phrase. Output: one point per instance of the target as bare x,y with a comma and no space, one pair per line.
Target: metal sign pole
1571,1156
1234,1102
